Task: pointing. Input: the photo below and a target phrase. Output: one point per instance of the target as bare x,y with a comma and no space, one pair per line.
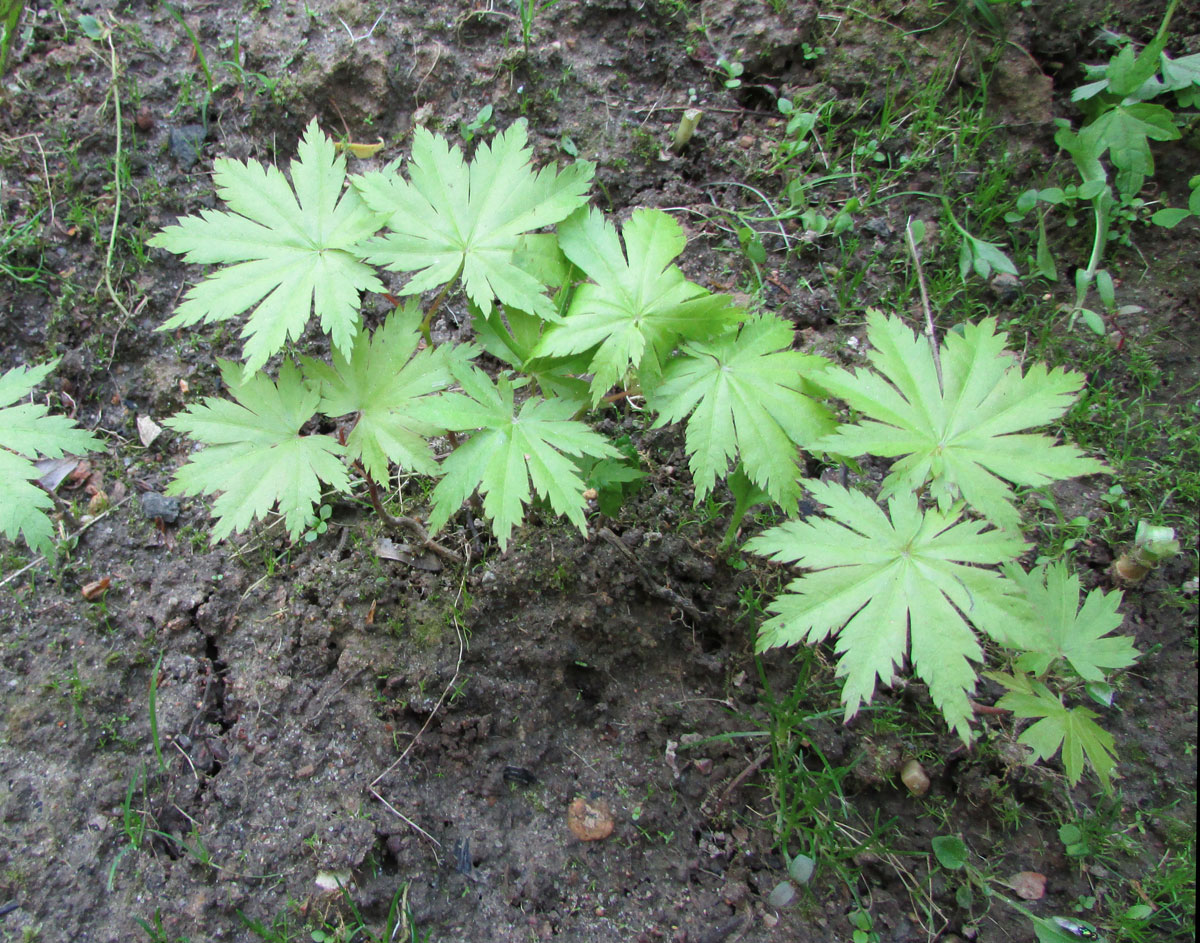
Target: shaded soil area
228,732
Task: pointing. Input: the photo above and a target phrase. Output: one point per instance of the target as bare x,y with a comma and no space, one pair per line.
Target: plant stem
10,20
427,321
1100,205
409,523
112,235
930,335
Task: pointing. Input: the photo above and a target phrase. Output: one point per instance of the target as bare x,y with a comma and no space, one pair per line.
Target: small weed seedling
1120,123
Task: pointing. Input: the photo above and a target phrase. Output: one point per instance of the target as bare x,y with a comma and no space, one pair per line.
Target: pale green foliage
1073,730
960,436
748,396
1063,630
27,430
255,453
634,310
511,448
381,382
909,583
289,254
452,220
1125,132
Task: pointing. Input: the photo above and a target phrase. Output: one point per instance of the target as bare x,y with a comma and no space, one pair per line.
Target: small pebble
1005,286
155,505
913,776
782,895
185,144
589,819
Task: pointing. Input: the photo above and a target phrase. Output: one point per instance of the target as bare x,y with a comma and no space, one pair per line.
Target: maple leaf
1073,730
288,254
450,219
512,335
634,310
511,449
1061,629
748,396
960,437
380,381
256,457
27,430
887,585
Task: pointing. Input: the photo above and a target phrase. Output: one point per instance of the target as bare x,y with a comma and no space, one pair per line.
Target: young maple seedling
1067,639
292,257
914,581
591,307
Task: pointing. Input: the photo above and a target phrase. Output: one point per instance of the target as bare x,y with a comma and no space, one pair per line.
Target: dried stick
930,335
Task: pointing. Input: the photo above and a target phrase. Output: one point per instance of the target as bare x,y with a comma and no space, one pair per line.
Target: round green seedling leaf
950,851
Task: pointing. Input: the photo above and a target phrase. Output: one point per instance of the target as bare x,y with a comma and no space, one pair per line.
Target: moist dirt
226,733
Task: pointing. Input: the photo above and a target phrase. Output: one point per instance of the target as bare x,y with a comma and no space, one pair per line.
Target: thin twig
755,765
407,821
665,593
437,706
112,236
409,523
930,335
41,556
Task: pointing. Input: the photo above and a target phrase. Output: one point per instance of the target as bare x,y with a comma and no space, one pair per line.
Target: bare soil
322,711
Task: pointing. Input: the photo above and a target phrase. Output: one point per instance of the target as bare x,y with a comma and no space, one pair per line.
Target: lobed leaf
27,430
451,219
381,381
961,438
748,395
1064,630
256,458
635,309
1073,730
286,255
512,451
891,585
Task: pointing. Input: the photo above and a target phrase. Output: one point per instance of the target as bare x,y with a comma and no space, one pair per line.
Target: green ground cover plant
1112,155
592,307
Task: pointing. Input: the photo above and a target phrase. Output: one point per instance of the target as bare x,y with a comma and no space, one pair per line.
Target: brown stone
589,819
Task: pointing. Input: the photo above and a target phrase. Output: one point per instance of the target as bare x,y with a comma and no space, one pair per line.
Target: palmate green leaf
511,449
381,381
1073,730
1062,629
450,218
1125,131
889,585
748,396
289,254
27,430
634,310
512,335
964,441
1182,76
256,457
